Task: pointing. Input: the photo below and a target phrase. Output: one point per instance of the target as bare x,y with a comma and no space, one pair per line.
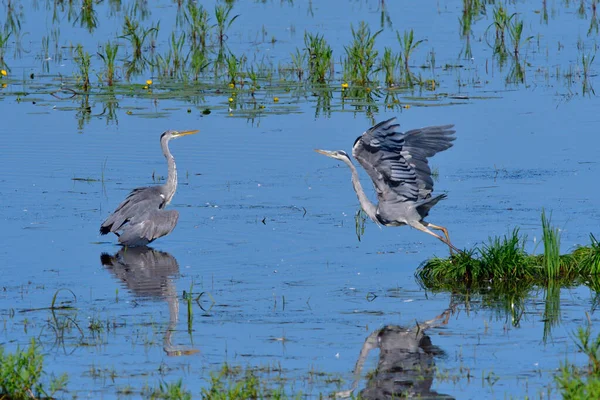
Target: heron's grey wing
397,162
137,203
143,229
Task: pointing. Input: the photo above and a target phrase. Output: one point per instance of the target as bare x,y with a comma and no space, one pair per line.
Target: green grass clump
170,391
360,64
582,383
500,260
504,262
319,56
234,383
21,375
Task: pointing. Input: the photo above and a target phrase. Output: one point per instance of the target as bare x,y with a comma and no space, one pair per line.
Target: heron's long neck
365,203
171,185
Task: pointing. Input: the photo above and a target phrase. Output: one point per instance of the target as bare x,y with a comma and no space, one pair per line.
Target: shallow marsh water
267,227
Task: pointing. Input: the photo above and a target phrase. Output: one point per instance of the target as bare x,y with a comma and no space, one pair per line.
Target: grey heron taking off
397,165
141,217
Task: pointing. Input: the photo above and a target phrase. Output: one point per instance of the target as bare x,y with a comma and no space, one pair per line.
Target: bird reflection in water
150,273
405,368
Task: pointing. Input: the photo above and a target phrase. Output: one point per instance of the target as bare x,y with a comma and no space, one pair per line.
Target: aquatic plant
233,383
319,56
108,57
389,66
198,62
22,375
298,63
551,241
361,56
233,67
137,35
197,18
224,22
504,260
407,46
170,391
586,62
360,219
4,36
83,60
87,17
587,258
581,382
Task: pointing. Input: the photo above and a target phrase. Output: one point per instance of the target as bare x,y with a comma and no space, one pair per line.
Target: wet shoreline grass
503,262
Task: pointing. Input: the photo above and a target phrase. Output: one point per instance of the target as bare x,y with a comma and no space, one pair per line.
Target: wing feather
397,162
141,217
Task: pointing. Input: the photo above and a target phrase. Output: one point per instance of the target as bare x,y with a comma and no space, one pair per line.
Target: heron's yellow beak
184,133
325,152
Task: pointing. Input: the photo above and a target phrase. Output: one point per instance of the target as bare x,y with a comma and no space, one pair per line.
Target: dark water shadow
406,366
149,273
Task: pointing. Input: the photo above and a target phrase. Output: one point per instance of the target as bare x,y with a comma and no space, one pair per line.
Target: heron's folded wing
397,162
148,226
137,203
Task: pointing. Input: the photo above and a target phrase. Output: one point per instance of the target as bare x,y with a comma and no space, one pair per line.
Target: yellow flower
368,90
3,72
231,85
149,82
128,112
344,85
3,85
406,106
275,99
231,99
145,87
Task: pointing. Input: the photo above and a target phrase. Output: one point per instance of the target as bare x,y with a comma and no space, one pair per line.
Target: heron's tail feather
104,229
426,205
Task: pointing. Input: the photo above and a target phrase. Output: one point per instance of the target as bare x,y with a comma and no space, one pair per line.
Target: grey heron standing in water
397,165
141,217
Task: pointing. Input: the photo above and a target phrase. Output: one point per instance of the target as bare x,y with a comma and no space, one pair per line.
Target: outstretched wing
397,162
138,202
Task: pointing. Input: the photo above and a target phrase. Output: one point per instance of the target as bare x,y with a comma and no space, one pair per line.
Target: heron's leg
423,228
437,227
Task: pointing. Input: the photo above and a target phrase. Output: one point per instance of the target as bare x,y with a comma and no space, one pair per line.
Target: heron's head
171,134
337,154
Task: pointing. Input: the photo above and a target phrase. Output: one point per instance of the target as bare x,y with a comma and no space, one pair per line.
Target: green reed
298,63
408,45
137,35
360,64
109,56
224,21
551,240
233,65
83,60
198,20
389,65
319,56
